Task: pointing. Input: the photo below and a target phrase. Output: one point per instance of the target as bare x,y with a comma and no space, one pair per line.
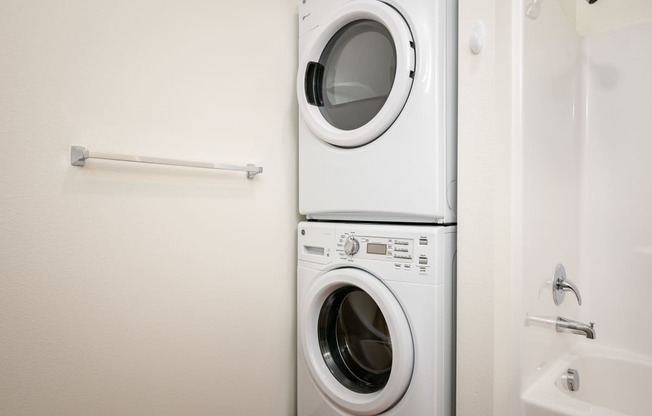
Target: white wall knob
476,42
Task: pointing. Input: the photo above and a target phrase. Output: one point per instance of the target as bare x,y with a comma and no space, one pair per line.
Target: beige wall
484,343
126,289
145,290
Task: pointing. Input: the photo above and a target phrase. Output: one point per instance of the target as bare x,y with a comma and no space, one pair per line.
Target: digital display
375,248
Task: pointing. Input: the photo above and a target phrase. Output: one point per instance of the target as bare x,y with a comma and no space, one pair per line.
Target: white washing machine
376,88
375,319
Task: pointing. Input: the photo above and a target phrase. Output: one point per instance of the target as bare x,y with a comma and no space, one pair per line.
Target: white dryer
375,319
376,88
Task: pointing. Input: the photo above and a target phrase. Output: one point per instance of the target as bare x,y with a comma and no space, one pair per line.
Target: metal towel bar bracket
79,154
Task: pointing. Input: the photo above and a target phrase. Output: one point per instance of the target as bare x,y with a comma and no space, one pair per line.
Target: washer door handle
313,83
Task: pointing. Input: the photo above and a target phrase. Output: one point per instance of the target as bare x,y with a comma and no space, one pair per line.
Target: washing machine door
356,73
356,341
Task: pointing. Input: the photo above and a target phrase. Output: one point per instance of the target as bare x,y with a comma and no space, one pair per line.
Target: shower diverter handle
561,285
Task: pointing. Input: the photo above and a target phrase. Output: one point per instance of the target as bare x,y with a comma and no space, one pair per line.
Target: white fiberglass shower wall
616,231
584,189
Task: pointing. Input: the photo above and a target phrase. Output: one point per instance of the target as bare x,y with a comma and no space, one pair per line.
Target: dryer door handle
313,83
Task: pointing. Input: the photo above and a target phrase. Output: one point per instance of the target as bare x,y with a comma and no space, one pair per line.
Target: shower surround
586,125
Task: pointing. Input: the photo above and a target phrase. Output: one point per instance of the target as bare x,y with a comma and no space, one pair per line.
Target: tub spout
564,325
575,327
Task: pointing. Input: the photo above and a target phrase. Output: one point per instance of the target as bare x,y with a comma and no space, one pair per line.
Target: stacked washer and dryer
377,182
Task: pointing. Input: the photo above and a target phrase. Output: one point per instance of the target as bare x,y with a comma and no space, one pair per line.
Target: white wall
145,290
534,172
606,15
586,177
552,118
617,198
603,15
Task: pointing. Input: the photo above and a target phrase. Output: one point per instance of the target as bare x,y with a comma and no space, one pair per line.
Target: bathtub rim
546,398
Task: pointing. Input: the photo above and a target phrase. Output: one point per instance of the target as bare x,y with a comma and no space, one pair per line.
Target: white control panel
400,250
398,253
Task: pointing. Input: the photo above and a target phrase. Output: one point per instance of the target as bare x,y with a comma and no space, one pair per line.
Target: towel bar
79,154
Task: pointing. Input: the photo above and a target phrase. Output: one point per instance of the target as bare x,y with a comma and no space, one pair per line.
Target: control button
423,241
423,260
351,246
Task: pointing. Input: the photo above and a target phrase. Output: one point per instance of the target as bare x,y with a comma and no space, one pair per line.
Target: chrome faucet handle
561,285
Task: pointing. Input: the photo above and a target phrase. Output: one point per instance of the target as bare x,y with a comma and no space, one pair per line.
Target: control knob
351,246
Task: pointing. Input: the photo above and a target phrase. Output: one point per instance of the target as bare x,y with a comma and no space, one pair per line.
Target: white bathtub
612,383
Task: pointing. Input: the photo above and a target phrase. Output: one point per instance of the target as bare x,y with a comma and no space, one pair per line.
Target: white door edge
400,333
405,64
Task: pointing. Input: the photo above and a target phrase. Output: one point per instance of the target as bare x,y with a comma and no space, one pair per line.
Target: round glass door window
354,76
354,340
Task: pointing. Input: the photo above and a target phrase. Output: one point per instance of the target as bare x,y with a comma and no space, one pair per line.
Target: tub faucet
562,324
575,327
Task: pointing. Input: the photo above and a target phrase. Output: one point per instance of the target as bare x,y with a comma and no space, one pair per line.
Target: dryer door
356,341
356,74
